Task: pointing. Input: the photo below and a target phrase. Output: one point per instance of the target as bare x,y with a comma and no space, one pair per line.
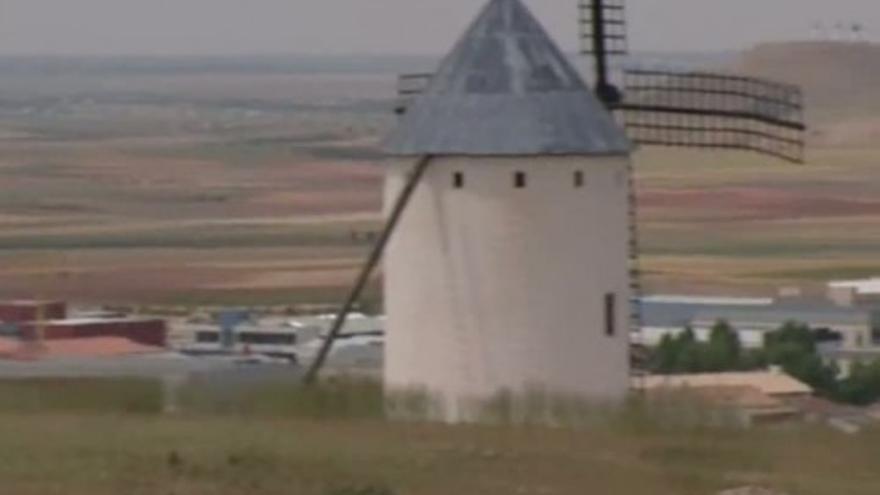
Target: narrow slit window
579,179
610,312
519,180
458,180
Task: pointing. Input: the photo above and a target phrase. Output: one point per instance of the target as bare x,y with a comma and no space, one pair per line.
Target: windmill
491,284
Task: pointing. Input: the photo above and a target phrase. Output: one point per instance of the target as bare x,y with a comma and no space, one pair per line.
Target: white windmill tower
508,271
513,264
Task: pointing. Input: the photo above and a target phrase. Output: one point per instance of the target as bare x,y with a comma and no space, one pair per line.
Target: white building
509,270
854,292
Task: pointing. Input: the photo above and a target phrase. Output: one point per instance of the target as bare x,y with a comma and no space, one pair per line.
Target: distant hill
841,81
837,76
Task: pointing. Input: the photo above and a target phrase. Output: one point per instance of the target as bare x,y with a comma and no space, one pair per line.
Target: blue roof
507,89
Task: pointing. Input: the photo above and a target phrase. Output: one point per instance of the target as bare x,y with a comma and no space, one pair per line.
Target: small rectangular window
610,315
519,180
579,179
458,180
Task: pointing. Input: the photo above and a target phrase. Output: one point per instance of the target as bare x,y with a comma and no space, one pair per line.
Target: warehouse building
146,331
20,311
35,320
754,318
855,292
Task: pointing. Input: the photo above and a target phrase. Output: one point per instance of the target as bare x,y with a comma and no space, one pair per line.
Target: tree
690,358
792,335
794,348
724,351
666,355
677,353
862,386
685,354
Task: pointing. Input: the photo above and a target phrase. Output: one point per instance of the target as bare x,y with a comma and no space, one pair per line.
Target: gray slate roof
507,89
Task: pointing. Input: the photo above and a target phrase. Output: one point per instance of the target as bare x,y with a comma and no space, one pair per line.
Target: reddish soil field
756,203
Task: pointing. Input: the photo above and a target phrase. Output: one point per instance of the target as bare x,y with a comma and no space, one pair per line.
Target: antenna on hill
858,32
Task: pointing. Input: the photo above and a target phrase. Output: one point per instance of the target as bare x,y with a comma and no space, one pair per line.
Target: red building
26,311
151,332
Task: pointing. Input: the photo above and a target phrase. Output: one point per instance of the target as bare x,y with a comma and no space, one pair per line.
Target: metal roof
507,89
869,286
779,315
660,313
768,382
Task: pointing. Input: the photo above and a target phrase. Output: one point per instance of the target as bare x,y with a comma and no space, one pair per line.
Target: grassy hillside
841,81
272,444
841,77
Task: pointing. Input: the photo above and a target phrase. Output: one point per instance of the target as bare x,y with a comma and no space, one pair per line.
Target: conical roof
507,89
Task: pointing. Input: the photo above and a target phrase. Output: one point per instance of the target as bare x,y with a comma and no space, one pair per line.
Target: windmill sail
410,86
706,110
606,19
690,109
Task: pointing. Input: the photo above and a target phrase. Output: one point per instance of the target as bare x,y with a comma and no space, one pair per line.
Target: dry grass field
744,222
227,188
96,455
256,186
179,224
104,439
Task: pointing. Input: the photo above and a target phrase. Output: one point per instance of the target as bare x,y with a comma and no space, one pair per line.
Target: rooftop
749,399
867,286
778,315
678,312
101,321
66,348
715,301
507,89
147,365
772,383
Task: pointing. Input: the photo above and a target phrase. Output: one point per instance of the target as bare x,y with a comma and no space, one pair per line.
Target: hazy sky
371,26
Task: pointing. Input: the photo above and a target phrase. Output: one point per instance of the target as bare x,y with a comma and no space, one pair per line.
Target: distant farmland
228,179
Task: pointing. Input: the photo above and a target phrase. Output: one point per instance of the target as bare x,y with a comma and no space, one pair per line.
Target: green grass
211,454
333,441
130,396
341,399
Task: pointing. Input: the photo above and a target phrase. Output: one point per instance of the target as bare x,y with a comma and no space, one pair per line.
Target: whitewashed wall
492,288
